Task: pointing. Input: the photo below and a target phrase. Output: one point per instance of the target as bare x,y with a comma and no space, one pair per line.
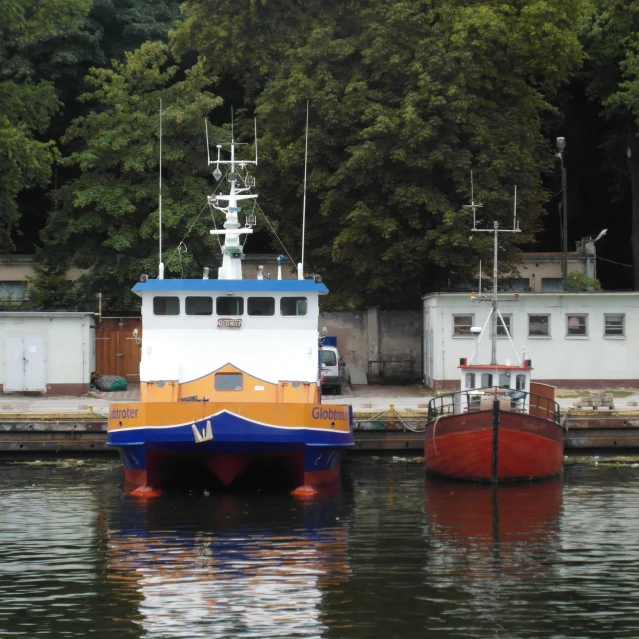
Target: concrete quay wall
80,434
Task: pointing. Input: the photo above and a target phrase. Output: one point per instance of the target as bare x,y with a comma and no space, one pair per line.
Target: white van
332,370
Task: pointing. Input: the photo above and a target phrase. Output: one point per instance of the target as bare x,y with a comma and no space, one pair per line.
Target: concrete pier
385,418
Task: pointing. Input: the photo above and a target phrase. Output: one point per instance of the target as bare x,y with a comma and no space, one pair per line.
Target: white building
575,340
51,353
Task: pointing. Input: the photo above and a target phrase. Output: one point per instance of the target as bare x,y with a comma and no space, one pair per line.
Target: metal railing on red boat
478,399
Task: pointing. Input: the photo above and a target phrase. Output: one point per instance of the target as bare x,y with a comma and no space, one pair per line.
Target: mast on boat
495,230
232,252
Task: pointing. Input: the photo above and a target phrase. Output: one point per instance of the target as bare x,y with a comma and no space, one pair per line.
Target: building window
462,325
521,382
228,381
470,380
577,325
166,305
486,380
293,306
261,306
504,325
229,305
614,324
13,291
520,284
552,284
539,325
199,306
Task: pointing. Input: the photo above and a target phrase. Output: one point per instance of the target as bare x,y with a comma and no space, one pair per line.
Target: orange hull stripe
167,414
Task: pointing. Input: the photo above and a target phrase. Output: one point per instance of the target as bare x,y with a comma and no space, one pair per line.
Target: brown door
116,348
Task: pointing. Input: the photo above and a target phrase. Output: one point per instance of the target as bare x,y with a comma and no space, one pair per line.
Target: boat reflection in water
491,531
222,568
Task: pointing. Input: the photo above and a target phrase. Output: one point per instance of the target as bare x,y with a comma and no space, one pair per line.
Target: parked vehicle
333,370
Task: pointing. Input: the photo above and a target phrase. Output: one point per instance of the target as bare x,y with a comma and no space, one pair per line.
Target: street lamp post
561,145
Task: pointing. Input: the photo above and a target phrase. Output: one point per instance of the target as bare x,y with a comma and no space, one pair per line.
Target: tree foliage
106,220
610,32
27,104
579,281
406,99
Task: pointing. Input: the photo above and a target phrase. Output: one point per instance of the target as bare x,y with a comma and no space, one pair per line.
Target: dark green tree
106,220
27,104
610,32
406,99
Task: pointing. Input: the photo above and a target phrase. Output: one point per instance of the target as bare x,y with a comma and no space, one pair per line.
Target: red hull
461,447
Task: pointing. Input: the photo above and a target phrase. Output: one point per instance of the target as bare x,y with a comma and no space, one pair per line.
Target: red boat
499,426
493,434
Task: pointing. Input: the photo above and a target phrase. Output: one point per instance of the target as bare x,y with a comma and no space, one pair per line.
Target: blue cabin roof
257,286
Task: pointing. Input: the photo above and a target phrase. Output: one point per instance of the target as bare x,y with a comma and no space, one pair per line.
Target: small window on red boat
470,380
504,380
521,382
228,381
163,305
486,380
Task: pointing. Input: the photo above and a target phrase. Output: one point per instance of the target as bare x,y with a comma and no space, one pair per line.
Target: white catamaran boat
229,376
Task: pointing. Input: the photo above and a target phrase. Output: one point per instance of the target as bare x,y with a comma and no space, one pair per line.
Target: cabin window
521,382
261,306
504,380
166,305
228,381
504,325
199,306
229,305
539,325
577,325
470,380
614,324
486,379
462,325
293,306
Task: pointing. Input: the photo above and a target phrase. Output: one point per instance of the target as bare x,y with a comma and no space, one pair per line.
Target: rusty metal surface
63,426
54,446
604,423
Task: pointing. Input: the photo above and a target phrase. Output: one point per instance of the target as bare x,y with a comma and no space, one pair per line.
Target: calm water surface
390,554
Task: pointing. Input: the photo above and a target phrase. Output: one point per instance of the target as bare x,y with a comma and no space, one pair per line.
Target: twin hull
461,447
160,442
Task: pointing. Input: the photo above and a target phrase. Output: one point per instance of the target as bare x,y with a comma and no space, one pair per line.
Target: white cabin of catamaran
255,336
229,338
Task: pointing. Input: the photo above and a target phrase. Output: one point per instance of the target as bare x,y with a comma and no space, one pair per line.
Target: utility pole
561,145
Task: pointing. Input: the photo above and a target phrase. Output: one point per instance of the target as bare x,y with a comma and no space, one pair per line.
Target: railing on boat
478,399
